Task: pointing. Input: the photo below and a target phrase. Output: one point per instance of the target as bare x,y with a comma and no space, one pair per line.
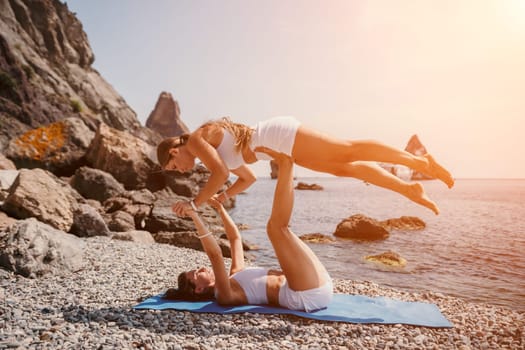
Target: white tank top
227,152
277,133
253,282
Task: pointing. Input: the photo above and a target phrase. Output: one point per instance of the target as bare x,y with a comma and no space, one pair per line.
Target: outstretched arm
201,149
211,159
212,249
234,237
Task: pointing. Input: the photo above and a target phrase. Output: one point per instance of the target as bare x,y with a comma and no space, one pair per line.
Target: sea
474,249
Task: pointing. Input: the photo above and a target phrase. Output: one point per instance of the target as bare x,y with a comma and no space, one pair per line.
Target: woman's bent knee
276,229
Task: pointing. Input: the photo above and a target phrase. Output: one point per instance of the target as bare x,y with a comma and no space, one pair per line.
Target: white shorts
276,133
307,300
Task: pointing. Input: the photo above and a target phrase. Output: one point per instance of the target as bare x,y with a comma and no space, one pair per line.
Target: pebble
92,309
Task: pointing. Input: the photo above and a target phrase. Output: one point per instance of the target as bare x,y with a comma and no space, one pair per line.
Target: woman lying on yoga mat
225,146
303,283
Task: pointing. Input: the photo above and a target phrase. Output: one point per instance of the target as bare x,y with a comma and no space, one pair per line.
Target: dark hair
163,148
186,291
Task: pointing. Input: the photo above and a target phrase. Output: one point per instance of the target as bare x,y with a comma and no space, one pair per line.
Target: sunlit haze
450,71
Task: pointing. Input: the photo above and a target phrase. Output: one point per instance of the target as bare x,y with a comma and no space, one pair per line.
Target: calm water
474,249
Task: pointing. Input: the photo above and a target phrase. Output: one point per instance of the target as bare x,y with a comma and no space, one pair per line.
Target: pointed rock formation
165,117
415,147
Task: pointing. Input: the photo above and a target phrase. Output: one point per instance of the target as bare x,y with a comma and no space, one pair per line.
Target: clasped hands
184,208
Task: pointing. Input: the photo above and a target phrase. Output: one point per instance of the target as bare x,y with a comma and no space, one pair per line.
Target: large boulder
59,147
135,236
129,210
162,218
32,249
96,184
123,155
361,227
87,222
121,221
39,194
165,117
181,184
5,163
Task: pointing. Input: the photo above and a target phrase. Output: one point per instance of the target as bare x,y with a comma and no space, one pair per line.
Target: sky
450,71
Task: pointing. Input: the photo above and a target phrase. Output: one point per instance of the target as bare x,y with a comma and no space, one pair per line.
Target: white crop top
253,282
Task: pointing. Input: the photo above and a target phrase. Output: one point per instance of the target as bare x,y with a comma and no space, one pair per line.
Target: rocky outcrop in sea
363,228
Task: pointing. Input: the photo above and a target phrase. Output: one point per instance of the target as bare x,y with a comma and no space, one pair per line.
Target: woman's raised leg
313,146
300,265
372,173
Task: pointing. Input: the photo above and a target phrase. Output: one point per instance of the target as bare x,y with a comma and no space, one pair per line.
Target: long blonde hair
242,133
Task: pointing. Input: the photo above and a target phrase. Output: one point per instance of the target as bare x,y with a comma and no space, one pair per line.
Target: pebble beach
92,309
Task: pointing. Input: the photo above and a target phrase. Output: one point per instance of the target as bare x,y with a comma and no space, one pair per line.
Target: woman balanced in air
225,146
302,283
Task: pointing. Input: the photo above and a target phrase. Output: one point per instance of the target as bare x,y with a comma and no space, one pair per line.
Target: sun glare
514,14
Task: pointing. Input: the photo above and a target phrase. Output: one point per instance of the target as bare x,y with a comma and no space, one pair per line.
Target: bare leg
300,265
437,171
312,145
374,174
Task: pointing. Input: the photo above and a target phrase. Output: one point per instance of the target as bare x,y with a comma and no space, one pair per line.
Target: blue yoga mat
343,308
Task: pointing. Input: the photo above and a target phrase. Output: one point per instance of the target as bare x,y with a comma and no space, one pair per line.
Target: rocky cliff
74,159
46,73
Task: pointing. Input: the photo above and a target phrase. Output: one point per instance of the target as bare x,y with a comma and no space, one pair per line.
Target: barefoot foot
437,171
417,194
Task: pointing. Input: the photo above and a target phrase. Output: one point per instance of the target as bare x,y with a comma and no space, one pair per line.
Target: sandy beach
92,309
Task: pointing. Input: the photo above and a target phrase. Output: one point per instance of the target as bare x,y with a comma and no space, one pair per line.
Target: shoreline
92,309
